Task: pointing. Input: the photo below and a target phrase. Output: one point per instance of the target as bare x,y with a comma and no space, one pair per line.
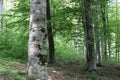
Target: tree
97,35
37,62
50,35
1,11
104,21
117,42
89,36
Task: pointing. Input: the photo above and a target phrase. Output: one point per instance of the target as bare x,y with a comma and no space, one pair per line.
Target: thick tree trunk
1,11
37,63
91,57
50,36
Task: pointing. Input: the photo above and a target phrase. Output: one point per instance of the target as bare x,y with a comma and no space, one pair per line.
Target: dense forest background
69,39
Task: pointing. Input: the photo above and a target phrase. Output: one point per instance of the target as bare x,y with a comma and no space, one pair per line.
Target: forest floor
73,70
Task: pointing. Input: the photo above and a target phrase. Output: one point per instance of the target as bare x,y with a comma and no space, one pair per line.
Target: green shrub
66,52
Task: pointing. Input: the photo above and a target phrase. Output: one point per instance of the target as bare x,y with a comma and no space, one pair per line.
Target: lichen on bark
37,60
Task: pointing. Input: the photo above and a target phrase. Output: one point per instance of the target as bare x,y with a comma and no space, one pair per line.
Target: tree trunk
84,24
77,39
103,9
1,11
91,57
50,36
97,39
37,63
109,49
117,31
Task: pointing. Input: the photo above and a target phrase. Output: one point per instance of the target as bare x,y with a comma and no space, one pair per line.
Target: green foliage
14,35
13,44
66,51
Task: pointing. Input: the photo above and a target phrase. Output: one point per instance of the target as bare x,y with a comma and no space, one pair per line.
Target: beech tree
37,62
104,22
97,33
89,37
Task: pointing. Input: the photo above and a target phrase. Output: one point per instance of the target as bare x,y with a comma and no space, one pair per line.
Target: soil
75,70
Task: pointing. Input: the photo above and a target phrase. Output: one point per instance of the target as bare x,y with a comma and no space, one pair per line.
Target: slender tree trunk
118,54
37,63
109,48
50,36
84,24
116,46
117,29
103,9
117,33
91,57
1,11
97,39
77,39
85,44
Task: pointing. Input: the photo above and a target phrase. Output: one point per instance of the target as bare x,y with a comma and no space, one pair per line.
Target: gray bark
88,29
97,39
117,33
104,20
77,39
37,63
1,11
84,24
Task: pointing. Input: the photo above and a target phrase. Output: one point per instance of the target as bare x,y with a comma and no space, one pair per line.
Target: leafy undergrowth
73,70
